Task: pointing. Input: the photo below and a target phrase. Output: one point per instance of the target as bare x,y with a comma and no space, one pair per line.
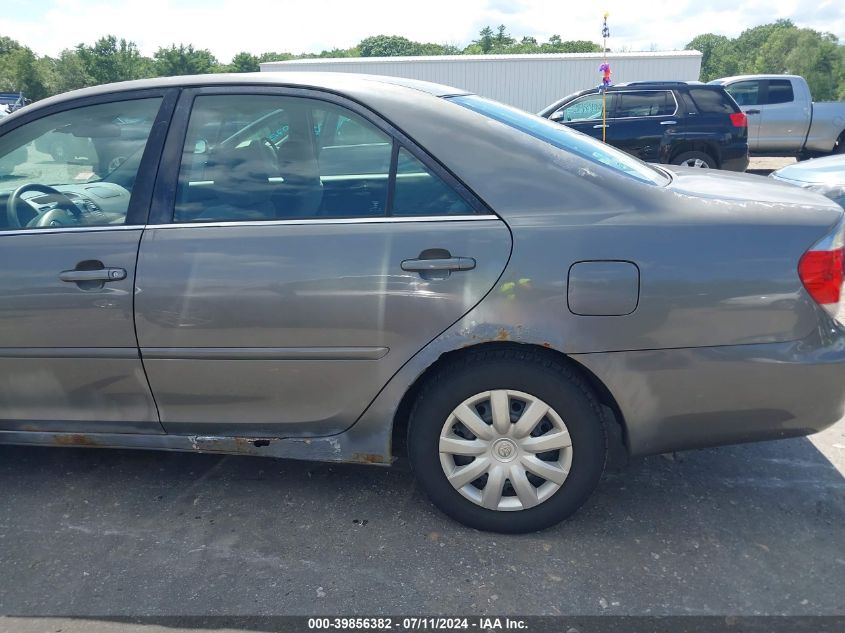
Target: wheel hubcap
696,162
505,450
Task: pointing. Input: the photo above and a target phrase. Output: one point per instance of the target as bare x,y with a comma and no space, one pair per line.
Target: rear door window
641,103
780,91
711,101
260,157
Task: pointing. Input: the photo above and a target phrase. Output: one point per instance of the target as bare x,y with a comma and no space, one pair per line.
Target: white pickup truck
782,118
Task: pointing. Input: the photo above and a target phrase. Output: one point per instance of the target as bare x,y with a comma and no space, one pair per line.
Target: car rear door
292,272
69,359
640,121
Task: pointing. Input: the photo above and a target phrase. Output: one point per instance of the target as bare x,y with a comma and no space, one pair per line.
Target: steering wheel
53,217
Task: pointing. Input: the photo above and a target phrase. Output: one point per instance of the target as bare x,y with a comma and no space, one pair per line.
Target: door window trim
167,180
141,196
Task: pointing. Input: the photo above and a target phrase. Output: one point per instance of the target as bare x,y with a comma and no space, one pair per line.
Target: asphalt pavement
743,530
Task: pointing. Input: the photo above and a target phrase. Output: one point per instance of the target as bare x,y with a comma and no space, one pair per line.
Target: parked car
669,122
822,175
783,120
12,101
494,288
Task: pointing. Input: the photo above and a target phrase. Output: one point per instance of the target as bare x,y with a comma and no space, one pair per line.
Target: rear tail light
739,119
821,270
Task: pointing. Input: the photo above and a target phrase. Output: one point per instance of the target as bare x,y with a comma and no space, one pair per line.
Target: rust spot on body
368,458
503,335
77,439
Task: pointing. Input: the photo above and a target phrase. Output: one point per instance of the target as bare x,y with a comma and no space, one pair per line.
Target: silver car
319,266
822,175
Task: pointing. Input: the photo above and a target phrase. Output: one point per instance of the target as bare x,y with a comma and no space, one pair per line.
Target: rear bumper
735,158
689,398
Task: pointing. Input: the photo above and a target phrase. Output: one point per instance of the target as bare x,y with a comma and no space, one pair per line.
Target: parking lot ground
764,165
751,529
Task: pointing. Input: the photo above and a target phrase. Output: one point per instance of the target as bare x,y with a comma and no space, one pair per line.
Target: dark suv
677,123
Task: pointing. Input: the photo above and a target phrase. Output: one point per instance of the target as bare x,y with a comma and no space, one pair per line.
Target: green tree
813,55
110,59
485,39
779,47
183,60
387,46
502,40
244,63
718,56
20,71
69,73
275,57
7,45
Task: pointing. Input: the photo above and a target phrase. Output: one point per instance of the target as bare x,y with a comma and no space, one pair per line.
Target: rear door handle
668,123
100,274
599,126
752,112
445,263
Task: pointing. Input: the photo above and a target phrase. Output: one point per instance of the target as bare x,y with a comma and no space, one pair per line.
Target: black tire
682,158
536,373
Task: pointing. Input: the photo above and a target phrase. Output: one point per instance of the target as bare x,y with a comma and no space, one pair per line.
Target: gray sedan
321,266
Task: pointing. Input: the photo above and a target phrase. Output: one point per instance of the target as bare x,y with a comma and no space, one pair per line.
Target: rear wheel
507,440
695,159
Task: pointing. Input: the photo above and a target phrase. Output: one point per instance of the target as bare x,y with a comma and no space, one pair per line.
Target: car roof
724,80
360,84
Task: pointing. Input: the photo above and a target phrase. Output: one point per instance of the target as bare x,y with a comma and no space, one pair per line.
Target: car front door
298,262
69,235
748,95
641,121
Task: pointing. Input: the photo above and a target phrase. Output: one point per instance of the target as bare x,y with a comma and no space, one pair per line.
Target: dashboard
99,203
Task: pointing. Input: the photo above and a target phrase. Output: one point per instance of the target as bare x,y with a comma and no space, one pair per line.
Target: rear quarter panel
827,126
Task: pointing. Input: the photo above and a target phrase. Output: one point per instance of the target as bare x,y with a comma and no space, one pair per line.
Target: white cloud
228,26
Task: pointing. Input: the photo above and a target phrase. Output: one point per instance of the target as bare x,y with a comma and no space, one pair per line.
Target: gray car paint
324,288
724,345
49,382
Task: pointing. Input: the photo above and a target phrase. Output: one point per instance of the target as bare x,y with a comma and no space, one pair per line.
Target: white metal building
526,81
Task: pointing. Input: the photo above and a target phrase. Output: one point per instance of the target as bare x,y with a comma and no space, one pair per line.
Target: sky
229,26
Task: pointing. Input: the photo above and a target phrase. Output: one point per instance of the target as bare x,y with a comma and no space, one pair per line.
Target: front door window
75,168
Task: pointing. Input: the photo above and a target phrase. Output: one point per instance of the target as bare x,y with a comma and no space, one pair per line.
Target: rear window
564,138
711,101
780,91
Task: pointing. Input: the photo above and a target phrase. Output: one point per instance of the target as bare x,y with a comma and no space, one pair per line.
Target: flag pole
605,68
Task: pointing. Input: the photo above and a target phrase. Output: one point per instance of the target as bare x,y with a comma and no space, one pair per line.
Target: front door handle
668,123
444,263
100,274
600,126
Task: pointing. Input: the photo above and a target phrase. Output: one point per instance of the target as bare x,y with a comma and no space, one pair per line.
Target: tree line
780,47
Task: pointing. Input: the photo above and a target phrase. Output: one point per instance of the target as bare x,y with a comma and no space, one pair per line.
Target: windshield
564,138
